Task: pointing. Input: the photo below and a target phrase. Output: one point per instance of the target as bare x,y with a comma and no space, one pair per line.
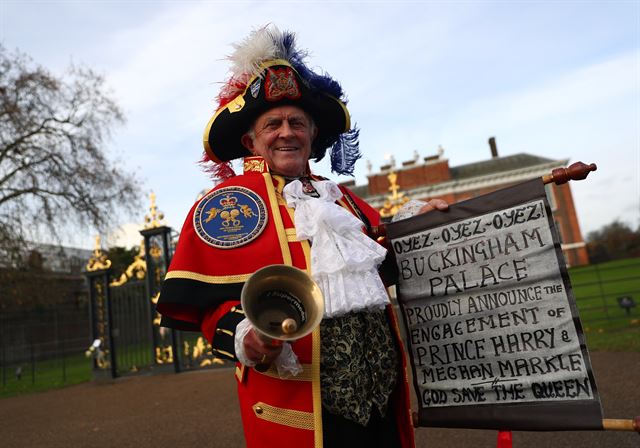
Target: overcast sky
550,78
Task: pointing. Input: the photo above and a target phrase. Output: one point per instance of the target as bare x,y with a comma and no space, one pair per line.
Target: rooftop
497,165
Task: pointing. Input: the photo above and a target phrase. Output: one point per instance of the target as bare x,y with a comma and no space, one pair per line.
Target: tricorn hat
268,71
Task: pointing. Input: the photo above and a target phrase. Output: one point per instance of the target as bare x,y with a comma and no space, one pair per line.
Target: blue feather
322,83
288,46
345,152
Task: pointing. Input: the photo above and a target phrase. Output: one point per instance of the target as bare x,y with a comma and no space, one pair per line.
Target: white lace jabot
344,260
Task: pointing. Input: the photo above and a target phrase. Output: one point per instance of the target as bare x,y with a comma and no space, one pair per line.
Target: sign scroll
491,323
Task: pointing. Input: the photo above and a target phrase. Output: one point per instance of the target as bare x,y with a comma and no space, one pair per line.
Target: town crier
345,383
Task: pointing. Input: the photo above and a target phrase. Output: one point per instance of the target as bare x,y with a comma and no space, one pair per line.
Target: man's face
283,137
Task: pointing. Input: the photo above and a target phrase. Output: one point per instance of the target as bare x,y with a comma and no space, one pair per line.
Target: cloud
161,58
574,92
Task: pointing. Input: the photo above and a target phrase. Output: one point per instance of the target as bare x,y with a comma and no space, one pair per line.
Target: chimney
494,147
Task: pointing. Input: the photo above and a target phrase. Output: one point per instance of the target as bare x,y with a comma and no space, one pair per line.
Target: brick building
432,177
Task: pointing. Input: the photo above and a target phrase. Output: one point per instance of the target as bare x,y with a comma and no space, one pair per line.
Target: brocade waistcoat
358,365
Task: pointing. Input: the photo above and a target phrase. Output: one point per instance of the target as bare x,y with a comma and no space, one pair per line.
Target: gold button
259,410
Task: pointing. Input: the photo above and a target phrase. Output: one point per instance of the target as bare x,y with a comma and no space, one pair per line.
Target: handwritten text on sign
488,317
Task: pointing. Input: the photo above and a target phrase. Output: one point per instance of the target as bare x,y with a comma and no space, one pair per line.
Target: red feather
217,171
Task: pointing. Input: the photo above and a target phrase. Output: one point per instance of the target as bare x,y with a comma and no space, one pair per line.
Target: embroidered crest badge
281,84
230,217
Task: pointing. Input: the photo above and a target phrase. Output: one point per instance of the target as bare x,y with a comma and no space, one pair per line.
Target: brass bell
282,302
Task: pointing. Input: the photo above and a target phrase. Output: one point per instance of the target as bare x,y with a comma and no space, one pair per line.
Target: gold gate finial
99,259
154,218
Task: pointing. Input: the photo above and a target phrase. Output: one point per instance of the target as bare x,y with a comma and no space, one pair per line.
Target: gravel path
200,409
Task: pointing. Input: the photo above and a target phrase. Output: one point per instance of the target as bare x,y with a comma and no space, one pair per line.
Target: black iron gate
126,328
130,330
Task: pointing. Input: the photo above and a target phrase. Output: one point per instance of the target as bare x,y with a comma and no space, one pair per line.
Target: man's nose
285,129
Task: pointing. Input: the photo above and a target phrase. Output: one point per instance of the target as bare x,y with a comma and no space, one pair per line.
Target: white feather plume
261,45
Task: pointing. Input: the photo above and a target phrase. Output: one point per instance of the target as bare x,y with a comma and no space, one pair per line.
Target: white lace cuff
242,329
286,363
411,208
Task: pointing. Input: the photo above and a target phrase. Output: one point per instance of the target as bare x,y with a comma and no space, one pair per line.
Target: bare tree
613,241
54,171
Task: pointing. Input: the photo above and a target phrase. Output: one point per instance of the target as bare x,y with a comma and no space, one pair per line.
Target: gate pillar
102,349
158,252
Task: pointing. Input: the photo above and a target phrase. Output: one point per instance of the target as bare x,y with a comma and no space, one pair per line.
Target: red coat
203,286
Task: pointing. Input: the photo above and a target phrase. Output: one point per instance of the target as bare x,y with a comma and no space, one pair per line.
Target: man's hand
434,204
259,351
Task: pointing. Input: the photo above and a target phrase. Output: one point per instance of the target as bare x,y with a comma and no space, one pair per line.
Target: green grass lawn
46,375
626,340
597,288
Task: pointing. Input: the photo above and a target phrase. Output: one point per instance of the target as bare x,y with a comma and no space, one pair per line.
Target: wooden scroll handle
575,171
611,424
608,424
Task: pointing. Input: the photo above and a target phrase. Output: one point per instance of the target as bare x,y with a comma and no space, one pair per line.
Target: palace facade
432,177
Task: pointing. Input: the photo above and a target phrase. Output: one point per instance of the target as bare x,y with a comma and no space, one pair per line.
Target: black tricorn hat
277,84
267,72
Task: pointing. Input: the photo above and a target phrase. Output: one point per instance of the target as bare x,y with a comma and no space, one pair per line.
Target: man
345,383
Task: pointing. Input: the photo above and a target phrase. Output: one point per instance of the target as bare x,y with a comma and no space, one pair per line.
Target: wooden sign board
491,323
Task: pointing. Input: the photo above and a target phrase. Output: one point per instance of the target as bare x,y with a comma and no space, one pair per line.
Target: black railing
608,294
42,347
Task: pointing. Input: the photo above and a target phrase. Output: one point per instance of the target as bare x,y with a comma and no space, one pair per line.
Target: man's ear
247,142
